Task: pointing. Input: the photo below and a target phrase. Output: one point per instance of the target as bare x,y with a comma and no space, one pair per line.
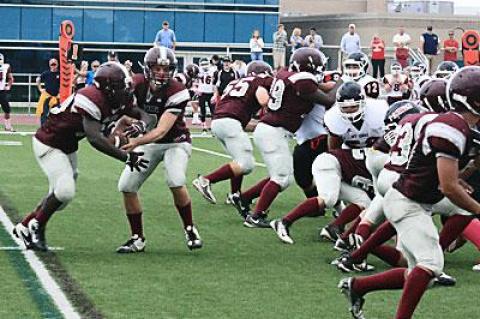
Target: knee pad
178,180
283,180
247,164
326,167
325,161
64,189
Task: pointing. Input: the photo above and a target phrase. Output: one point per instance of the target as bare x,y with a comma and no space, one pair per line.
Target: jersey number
403,145
238,89
396,87
276,95
372,89
207,79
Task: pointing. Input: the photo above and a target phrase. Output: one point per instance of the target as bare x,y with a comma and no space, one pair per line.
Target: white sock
8,124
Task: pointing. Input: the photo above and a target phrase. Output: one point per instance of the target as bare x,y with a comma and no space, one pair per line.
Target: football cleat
193,238
342,245
281,230
22,233
355,241
445,280
337,260
476,267
228,201
240,205
356,301
330,233
346,264
256,221
203,186
37,232
135,244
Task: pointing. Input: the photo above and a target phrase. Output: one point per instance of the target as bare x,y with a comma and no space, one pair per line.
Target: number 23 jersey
286,107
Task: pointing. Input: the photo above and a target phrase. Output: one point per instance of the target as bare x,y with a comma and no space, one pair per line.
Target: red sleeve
443,147
306,87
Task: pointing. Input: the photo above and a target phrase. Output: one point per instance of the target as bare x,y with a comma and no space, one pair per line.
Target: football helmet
192,71
396,112
113,79
445,70
159,66
396,68
356,65
255,68
417,70
204,64
463,90
308,60
433,95
351,101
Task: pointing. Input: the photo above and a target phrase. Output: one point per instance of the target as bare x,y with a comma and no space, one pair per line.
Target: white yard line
11,143
48,283
220,154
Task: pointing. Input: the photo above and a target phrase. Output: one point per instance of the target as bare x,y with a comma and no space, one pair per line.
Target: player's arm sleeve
317,96
444,141
93,131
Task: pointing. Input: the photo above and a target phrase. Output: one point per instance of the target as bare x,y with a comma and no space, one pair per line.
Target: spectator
350,41
91,74
450,48
166,37
314,40
6,82
401,41
378,56
296,40
112,56
215,61
429,47
81,76
280,44
256,46
49,92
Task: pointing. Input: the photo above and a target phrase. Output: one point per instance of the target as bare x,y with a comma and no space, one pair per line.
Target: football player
55,144
442,149
6,82
355,68
418,75
158,93
240,101
397,85
293,93
341,173
445,70
189,78
206,89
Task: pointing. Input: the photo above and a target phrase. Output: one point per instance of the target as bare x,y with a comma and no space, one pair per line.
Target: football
117,139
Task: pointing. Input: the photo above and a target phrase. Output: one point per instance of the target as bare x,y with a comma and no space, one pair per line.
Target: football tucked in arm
118,139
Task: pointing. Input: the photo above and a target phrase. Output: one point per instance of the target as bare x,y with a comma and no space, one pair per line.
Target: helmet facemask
160,74
353,69
352,110
390,134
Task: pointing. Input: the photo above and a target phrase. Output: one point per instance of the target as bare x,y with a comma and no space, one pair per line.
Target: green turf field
240,273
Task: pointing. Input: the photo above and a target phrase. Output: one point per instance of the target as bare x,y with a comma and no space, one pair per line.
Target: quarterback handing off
86,113
158,93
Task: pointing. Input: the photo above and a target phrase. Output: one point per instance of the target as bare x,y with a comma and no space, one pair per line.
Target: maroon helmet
159,66
258,67
433,95
308,60
192,70
113,79
463,90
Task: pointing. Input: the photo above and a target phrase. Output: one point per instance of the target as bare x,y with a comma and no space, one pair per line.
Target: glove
135,129
136,161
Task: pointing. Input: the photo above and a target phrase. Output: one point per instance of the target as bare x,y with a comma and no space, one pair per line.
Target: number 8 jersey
286,107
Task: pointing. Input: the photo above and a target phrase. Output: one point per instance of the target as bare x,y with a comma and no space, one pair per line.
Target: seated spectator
256,46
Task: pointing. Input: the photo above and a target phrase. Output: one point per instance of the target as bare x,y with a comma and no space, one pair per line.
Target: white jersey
4,71
369,84
205,80
312,125
372,126
395,83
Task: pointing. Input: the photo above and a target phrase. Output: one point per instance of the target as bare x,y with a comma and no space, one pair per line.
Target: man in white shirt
314,40
350,41
401,41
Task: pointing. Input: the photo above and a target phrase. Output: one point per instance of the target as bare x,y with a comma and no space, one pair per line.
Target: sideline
38,267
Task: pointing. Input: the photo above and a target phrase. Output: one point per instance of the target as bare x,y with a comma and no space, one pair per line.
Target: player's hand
131,145
135,129
468,188
136,161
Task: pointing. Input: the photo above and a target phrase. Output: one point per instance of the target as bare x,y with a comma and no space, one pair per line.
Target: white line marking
50,285
220,154
23,248
17,133
11,143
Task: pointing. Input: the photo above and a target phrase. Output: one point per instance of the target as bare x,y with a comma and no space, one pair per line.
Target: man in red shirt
450,48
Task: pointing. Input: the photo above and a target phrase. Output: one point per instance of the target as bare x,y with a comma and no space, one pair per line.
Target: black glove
136,161
135,129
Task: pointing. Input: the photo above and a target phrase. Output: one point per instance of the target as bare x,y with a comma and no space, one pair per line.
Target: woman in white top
256,46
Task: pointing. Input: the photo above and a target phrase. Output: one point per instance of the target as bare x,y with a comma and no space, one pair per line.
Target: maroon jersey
63,127
447,135
173,98
354,171
286,108
239,101
408,131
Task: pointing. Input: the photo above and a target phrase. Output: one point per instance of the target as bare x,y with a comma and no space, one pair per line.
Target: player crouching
161,95
55,144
